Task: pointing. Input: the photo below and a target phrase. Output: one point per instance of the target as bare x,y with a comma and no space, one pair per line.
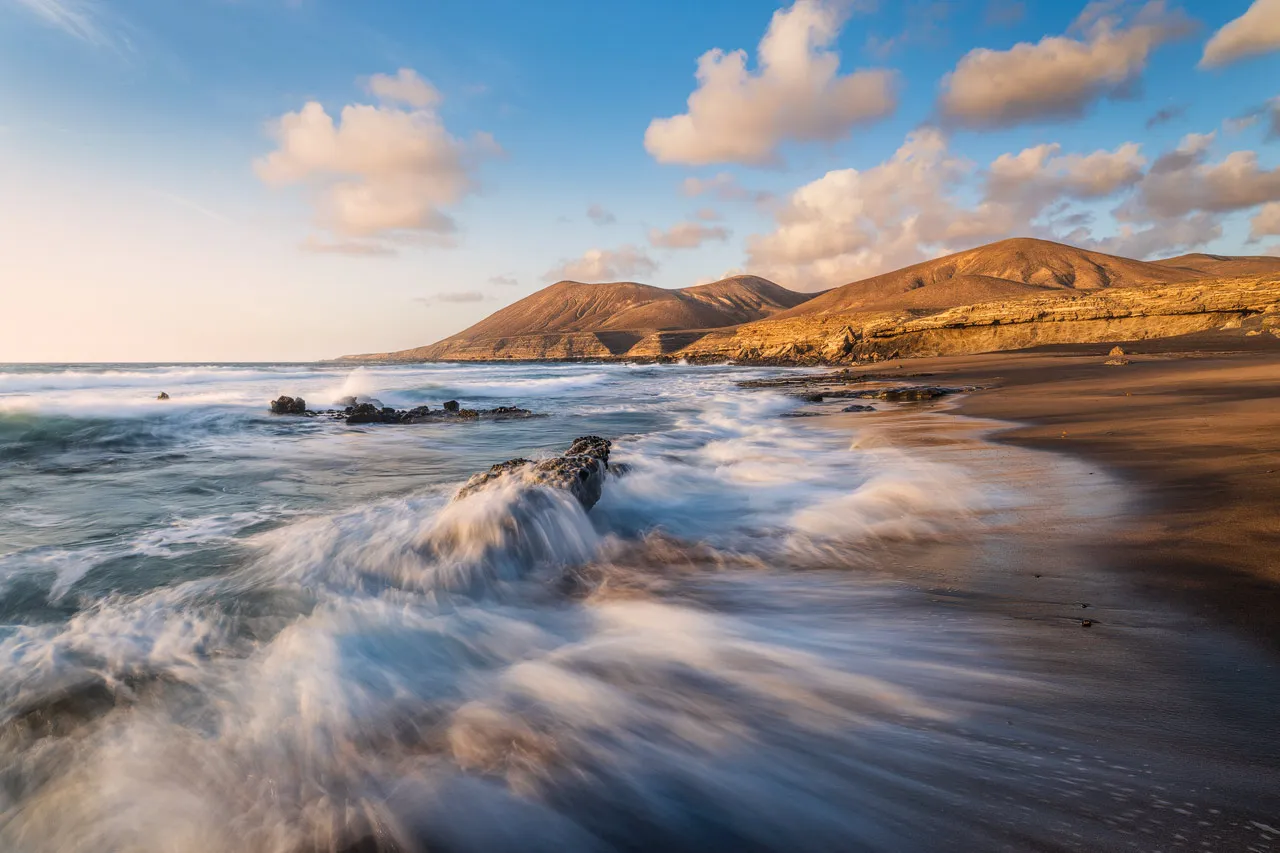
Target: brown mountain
1225,265
1020,268
571,319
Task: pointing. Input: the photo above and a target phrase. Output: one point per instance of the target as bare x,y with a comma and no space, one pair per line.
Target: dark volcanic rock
367,413
856,408
580,470
289,406
910,393
451,406
162,396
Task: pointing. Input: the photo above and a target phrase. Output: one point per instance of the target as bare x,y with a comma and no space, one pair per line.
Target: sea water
222,630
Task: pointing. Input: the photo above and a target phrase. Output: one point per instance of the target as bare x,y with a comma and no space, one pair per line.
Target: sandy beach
1195,429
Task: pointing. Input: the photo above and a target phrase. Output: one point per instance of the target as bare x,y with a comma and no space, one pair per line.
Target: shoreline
1197,433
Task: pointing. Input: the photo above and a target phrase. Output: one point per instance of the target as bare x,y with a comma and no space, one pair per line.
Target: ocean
224,630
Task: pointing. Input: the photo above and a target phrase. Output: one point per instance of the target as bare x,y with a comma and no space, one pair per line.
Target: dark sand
1195,426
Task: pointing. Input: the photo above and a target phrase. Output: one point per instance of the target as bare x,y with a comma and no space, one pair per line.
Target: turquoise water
224,630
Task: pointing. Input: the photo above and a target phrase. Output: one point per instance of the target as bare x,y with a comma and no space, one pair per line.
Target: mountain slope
574,320
1224,265
1010,269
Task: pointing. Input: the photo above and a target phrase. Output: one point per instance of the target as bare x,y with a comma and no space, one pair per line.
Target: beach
897,629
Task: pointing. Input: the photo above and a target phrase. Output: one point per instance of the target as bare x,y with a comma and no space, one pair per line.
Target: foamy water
225,631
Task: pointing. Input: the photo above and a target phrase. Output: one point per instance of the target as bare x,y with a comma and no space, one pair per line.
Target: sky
256,180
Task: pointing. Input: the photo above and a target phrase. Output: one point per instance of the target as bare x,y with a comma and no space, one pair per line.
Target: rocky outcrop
288,406
375,413
1097,317
580,470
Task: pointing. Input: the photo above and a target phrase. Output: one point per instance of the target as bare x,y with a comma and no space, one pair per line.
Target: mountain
1006,295
1020,268
1225,265
570,319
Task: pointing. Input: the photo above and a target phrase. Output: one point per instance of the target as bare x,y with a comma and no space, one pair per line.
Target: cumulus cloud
1184,181
723,187
1256,31
378,170
1058,77
1266,223
600,216
1163,238
850,224
598,265
406,87
687,235
740,115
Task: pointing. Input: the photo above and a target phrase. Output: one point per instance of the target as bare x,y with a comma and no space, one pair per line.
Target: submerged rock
580,470
289,406
905,394
857,408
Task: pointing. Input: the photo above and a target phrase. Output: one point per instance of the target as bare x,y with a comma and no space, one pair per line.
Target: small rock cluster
375,413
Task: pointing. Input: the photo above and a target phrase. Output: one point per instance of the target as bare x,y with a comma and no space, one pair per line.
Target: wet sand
1196,431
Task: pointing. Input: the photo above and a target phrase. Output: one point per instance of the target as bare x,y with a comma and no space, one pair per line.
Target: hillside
1225,265
1010,269
1014,293
570,319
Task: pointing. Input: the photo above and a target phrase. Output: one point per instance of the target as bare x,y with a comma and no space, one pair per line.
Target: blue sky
150,207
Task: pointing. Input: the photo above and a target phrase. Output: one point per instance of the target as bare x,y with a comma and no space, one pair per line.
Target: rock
857,408
580,470
451,406
289,406
509,412
801,414
1116,351
905,394
364,413
348,402
811,398
162,396
1253,334
1116,362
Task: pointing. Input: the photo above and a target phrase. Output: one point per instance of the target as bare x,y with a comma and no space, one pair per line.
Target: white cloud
1059,76
723,187
597,265
687,235
708,214
406,87
600,216
85,20
738,115
1266,223
851,224
456,297
504,280
1256,31
379,170
1184,181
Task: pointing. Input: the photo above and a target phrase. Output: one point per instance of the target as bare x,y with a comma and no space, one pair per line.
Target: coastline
1196,431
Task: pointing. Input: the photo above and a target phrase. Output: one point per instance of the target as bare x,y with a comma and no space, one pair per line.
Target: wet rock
348,402
580,470
857,408
451,406
811,398
803,413
289,406
365,413
906,394
510,412
162,396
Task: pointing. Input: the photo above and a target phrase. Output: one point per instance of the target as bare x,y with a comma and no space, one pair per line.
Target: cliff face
1114,314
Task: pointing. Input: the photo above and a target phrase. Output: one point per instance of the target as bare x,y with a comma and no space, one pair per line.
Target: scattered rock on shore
857,408
580,470
375,413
